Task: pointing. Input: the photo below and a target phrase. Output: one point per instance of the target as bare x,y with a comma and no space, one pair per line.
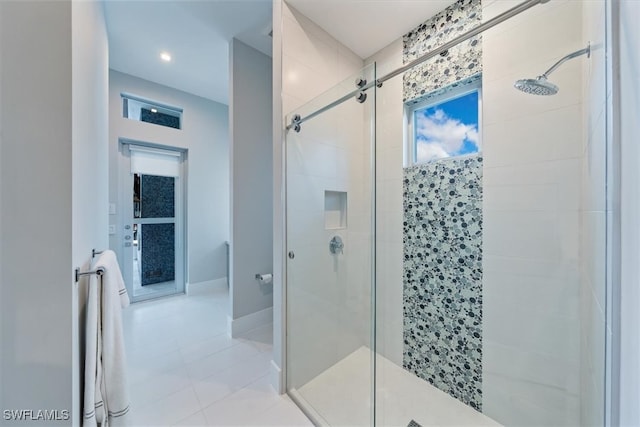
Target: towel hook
94,253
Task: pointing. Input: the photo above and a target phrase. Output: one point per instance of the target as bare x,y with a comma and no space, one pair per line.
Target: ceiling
366,26
197,34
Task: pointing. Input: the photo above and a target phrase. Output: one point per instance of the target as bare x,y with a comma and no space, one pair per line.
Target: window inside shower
444,127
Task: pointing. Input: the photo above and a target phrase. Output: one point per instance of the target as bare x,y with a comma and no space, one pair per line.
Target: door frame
125,183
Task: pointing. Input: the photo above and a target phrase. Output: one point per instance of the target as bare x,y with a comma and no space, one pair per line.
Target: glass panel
144,110
154,260
152,115
153,196
490,272
329,280
153,234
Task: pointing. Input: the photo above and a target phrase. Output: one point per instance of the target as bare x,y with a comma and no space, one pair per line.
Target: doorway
153,220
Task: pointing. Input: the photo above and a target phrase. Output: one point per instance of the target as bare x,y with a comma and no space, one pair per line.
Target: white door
152,212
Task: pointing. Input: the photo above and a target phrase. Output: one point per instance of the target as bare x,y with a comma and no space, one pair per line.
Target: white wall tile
533,152
513,401
302,81
348,63
308,25
502,102
593,224
491,9
561,176
546,370
594,254
521,234
594,188
389,163
527,51
318,54
535,138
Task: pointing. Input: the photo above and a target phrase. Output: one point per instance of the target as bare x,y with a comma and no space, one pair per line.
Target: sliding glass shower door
490,207
330,254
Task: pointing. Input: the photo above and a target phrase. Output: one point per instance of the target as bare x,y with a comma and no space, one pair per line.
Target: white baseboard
276,378
241,325
207,285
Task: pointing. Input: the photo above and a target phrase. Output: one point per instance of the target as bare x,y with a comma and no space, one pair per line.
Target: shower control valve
336,245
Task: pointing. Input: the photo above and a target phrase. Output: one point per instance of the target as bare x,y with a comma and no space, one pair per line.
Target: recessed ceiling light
153,110
165,57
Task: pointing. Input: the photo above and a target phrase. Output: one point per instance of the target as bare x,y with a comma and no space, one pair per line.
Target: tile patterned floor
185,371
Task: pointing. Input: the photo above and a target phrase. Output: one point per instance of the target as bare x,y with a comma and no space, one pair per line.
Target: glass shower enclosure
330,189
446,231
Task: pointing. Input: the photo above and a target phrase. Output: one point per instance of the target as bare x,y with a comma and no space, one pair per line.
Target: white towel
106,397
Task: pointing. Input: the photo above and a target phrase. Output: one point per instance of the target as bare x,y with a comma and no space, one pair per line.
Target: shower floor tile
342,396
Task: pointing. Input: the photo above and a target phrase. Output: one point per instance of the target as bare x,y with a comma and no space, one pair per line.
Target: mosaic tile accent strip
442,294
461,65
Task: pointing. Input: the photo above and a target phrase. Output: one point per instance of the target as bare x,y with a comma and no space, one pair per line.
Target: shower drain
413,423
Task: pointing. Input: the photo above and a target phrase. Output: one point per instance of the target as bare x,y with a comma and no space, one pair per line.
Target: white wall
53,194
205,134
90,172
312,60
250,127
36,188
327,296
627,104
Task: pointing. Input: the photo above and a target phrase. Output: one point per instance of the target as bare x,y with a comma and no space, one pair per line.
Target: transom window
145,110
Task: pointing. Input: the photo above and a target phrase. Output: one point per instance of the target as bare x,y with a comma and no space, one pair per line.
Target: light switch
112,208
112,229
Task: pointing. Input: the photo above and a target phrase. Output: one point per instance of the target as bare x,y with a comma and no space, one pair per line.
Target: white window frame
410,150
171,110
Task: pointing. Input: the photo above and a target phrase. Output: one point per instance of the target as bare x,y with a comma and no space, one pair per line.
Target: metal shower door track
297,120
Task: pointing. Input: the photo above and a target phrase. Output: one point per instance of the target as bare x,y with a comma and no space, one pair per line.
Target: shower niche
335,210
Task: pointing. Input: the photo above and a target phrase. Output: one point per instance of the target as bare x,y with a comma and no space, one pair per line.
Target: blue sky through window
447,129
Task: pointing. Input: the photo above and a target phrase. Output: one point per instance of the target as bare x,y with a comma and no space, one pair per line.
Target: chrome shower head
539,86
542,86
